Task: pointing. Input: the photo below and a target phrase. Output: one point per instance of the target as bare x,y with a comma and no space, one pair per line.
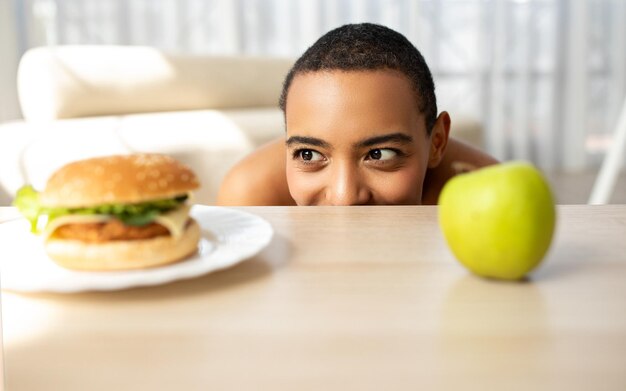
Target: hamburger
115,212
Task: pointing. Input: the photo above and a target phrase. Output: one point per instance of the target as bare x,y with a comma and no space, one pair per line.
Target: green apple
498,220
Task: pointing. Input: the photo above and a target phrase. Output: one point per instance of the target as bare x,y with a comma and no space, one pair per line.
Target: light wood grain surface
365,298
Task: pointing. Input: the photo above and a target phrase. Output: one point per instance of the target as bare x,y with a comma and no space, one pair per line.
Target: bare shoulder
257,180
457,153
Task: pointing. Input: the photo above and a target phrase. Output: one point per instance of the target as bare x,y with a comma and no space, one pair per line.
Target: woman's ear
439,139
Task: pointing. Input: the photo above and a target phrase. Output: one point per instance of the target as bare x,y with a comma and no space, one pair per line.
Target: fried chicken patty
108,231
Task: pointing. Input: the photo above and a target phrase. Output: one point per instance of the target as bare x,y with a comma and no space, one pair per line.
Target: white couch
84,101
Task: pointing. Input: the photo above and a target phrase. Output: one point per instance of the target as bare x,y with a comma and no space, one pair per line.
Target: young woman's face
355,138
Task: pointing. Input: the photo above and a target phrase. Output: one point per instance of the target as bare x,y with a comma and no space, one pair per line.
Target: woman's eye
382,154
309,155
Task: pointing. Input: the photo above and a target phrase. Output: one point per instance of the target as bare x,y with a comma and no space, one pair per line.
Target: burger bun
123,254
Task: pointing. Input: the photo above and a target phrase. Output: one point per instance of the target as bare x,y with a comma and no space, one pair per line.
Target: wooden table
365,298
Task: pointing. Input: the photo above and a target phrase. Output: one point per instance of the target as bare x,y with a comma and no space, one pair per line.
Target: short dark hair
367,46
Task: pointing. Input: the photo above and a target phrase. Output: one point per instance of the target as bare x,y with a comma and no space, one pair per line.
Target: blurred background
546,79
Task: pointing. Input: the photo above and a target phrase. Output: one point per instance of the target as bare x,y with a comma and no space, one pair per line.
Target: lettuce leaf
27,201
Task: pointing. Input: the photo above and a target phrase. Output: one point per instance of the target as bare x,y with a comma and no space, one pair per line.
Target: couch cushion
80,81
210,141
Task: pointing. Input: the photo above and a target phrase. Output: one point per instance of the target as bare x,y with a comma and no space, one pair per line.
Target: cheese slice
174,221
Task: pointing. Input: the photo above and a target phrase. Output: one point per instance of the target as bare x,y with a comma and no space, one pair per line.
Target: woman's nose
347,187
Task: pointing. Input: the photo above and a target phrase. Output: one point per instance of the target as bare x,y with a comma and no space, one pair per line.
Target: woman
361,129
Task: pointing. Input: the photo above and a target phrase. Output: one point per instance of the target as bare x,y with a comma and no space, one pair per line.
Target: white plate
228,237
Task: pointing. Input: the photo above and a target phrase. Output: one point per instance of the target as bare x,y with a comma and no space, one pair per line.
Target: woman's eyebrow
307,140
399,138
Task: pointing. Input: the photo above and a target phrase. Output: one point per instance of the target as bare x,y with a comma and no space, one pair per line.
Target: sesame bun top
118,179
